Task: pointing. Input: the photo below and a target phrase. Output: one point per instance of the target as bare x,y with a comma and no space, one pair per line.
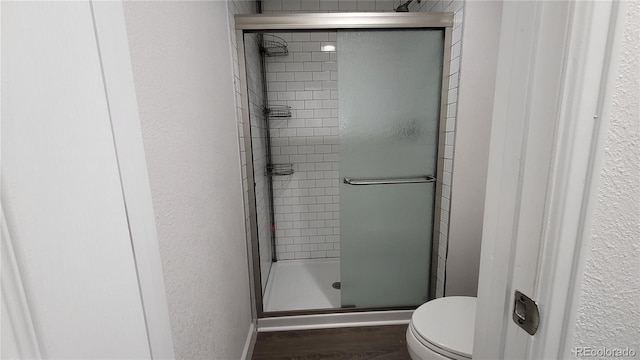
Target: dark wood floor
367,343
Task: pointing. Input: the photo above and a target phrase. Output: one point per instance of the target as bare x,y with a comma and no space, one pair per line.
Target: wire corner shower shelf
272,45
277,111
280,169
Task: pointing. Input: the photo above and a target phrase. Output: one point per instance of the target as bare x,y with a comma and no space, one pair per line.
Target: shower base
303,285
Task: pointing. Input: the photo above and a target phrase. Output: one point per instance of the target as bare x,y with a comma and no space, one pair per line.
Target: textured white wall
473,130
609,310
182,64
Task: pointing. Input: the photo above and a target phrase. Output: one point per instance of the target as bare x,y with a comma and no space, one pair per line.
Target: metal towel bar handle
411,180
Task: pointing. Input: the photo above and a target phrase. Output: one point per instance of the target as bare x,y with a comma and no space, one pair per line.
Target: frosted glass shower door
389,101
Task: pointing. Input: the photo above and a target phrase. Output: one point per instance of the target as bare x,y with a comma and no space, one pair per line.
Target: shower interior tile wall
307,211
306,6
457,8
254,81
258,140
434,6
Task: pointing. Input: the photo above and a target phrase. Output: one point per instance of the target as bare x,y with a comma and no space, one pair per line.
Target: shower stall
343,122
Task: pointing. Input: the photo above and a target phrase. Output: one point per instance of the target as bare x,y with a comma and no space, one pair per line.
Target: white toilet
442,329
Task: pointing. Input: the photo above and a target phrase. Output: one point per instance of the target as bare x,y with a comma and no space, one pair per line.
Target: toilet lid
448,323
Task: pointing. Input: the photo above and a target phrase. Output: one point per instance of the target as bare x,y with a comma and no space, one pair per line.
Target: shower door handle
410,180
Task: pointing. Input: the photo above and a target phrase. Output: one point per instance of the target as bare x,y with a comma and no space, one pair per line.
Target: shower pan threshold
303,285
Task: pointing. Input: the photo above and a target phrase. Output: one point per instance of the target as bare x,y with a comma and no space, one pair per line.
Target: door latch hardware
525,313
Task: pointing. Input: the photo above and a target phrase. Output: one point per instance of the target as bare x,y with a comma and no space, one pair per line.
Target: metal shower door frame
334,22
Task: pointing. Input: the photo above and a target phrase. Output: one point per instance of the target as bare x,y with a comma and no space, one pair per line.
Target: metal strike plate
525,313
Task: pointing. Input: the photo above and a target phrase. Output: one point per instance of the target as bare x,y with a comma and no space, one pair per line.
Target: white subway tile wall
454,6
258,124
258,121
457,8
240,7
306,203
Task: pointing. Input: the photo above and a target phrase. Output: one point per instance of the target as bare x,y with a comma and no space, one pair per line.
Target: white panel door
61,189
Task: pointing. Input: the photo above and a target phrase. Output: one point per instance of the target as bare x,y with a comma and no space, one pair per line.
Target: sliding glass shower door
389,100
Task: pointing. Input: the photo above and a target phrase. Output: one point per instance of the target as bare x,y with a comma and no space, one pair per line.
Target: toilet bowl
442,329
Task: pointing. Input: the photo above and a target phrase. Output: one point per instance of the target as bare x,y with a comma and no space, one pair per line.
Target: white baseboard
325,321
250,343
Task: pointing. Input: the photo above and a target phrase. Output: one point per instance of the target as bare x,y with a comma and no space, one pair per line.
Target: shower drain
336,285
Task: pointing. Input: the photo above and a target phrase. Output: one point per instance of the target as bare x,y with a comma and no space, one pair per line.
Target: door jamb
588,77
115,61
